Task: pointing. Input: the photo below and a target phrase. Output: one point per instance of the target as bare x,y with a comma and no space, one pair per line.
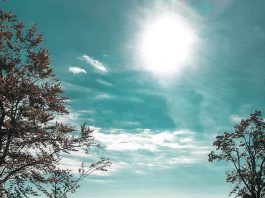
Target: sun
166,44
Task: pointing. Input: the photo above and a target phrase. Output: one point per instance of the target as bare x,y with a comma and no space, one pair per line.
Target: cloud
75,87
75,118
236,118
182,160
147,140
144,148
95,63
70,118
76,70
105,83
70,164
115,166
73,164
127,123
103,96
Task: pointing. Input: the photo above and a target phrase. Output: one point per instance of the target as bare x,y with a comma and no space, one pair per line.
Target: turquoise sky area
157,80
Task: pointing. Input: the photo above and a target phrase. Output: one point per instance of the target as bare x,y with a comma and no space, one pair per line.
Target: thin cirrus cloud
93,62
103,97
104,83
76,70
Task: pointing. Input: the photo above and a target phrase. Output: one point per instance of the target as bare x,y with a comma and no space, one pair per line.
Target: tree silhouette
244,149
31,141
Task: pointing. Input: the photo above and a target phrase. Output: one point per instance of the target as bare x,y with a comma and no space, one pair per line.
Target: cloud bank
157,149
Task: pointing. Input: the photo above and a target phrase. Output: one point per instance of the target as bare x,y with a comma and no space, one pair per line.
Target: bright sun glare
166,44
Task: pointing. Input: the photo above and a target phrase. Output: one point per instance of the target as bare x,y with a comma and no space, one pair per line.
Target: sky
157,80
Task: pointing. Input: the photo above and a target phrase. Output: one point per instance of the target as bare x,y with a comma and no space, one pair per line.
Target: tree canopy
244,149
31,141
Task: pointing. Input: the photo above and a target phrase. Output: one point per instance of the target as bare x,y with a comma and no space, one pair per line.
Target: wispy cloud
70,118
76,87
70,164
103,96
127,123
74,164
74,117
141,150
115,166
236,118
156,149
76,70
103,82
95,63
147,140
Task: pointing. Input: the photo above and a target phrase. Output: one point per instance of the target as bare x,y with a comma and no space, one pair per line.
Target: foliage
31,141
244,149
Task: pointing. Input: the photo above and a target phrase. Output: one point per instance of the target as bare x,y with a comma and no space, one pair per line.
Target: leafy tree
244,149
31,141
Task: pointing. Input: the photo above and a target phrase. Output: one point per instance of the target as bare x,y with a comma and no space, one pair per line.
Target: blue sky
157,125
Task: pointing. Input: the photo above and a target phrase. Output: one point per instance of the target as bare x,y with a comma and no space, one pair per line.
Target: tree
244,149
31,141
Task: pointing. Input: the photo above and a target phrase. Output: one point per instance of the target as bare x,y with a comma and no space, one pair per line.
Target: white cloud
103,96
73,164
147,140
142,151
115,166
182,160
145,148
105,83
101,181
87,111
126,123
70,118
70,164
235,118
93,62
76,70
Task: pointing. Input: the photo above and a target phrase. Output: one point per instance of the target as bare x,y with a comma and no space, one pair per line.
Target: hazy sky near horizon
158,80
